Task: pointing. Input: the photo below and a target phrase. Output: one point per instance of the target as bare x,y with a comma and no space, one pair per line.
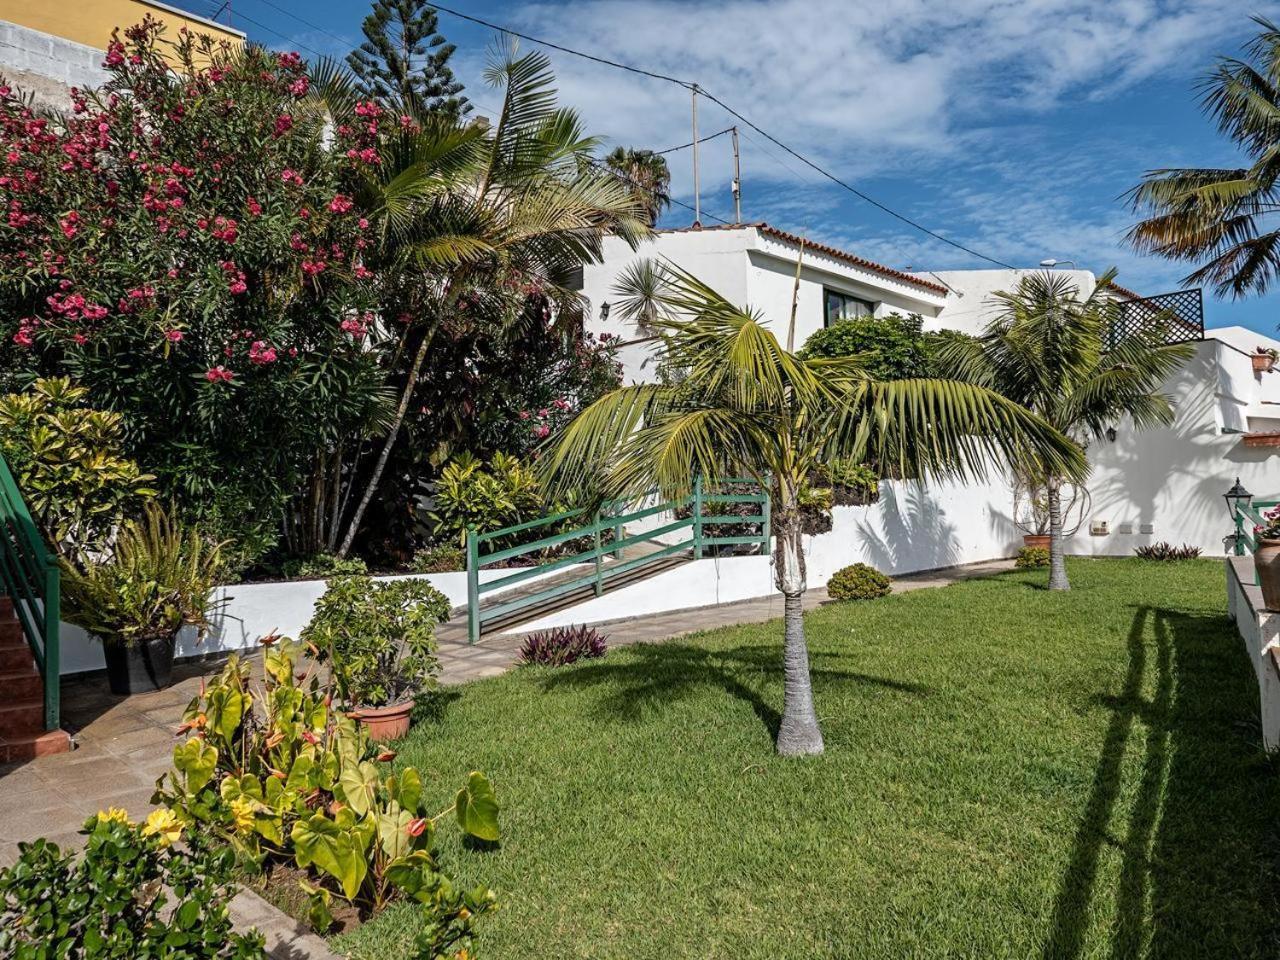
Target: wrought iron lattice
1177,317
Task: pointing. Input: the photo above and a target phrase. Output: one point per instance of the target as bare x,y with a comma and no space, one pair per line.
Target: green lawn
1009,773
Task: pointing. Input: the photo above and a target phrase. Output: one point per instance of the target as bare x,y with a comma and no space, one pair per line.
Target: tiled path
123,744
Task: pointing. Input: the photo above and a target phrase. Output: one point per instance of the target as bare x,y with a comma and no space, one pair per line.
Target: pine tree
405,60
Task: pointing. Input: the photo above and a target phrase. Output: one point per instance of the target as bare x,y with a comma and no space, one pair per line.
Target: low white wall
252,610
1260,631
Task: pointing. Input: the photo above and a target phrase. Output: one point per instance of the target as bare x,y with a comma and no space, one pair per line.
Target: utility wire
688,85
686,146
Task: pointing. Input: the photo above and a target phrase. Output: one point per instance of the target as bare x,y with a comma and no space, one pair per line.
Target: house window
841,306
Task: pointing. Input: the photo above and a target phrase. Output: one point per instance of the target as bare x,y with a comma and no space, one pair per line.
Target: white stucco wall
969,305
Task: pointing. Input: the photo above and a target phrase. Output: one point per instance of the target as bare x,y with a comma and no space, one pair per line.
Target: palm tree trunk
1057,562
401,410
799,733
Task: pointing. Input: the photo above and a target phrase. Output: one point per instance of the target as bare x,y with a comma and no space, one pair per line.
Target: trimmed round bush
1029,557
858,581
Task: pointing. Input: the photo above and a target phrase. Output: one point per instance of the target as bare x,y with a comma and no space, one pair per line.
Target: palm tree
1224,218
745,405
647,174
1048,350
459,210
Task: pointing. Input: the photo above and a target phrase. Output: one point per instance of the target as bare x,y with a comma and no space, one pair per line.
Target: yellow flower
163,823
242,810
115,814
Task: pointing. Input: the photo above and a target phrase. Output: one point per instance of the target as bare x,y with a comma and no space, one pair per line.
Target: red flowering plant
184,244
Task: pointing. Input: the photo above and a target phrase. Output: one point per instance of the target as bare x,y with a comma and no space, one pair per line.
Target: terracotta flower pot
1263,362
385,723
1036,540
1266,560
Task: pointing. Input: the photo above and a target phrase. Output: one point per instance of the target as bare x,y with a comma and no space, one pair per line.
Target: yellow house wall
91,21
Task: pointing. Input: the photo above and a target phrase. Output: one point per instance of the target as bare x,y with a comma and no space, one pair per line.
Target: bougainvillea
184,244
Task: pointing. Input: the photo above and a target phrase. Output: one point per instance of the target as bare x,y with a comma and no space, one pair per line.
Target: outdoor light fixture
1057,263
1111,434
1236,497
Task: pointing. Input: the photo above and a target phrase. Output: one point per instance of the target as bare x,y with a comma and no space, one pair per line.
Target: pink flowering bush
182,246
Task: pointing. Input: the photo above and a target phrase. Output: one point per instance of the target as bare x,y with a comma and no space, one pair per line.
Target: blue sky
1012,127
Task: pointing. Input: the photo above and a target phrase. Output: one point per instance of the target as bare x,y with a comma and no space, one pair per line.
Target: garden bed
1009,773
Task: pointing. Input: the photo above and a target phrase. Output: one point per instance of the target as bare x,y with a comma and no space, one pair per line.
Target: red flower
291,176
219,374
415,827
261,354
173,336
284,123
340,204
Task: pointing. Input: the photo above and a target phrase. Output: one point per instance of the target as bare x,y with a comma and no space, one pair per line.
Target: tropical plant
646,173
283,777
563,645
469,494
1029,558
68,462
1223,218
403,62
439,558
475,220
322,566
377,637
135,891
748,407
157,580
851,483
893,344
1167,552
1050,350
858,581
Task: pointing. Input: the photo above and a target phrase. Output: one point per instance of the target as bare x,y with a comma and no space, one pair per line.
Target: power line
688,85
686,146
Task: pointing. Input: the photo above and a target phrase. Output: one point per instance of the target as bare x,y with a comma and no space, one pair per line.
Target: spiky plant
747,406
1225,218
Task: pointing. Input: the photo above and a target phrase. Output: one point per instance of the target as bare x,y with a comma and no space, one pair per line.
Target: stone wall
47,66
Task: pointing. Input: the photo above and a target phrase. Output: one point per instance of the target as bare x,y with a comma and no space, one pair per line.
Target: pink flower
219,374
261,354
23,337
291,176
68,224
173,336
543,413
340,204
299,87
312,267
541,431
284,123
254,207
524,414
238,286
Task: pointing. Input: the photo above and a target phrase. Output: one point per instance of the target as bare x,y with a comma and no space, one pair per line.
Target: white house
1163,484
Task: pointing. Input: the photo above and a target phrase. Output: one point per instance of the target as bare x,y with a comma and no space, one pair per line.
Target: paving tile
27,823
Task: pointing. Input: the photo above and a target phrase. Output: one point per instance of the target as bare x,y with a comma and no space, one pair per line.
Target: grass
1009,773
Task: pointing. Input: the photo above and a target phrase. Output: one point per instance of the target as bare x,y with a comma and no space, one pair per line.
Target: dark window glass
841,306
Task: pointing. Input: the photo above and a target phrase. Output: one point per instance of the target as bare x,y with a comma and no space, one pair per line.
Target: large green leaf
196,760
321,842
477,807
359,783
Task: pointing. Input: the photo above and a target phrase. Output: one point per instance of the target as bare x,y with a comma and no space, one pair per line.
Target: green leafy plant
133,893
283,777
858,581
377,637
852,483
469,493
815,509
1031,557
440,558
157,580
322,566
1168,552
69,464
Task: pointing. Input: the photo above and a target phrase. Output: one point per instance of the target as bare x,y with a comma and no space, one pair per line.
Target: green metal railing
608,519
30,576
1248,516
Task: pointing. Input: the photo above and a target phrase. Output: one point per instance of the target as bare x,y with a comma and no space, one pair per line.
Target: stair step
20,685
27,747
11,634
6,608
13,659
21,718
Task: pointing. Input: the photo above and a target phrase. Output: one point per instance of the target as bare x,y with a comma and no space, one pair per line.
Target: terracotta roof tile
850,258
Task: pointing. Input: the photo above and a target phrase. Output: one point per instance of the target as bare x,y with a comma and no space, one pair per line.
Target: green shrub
815,509
322,566
1029,557
853,483
133,893
859,581
287,778
157,580
69,465
441,558
378,638
501,494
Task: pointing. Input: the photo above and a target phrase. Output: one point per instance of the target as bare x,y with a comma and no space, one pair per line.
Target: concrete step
21,718
19,749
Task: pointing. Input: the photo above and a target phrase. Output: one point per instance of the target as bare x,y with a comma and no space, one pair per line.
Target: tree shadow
657,675
1198,871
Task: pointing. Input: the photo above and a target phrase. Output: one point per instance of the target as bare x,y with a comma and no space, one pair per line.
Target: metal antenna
697,181
737,181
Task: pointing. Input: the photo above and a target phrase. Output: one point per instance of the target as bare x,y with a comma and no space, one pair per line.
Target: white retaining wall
1260,630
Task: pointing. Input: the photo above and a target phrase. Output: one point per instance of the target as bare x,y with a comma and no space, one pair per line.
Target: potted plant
1031,510
1266,558
1264,359
156,580
379,642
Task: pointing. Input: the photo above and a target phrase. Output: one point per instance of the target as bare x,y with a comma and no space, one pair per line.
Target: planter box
1256,440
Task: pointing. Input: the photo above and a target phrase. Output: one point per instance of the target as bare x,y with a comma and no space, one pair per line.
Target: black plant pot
139,667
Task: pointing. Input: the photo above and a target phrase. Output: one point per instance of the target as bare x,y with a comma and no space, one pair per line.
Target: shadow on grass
1198,866
654,675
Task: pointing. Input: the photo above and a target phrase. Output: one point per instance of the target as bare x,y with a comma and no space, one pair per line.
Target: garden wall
1260,631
